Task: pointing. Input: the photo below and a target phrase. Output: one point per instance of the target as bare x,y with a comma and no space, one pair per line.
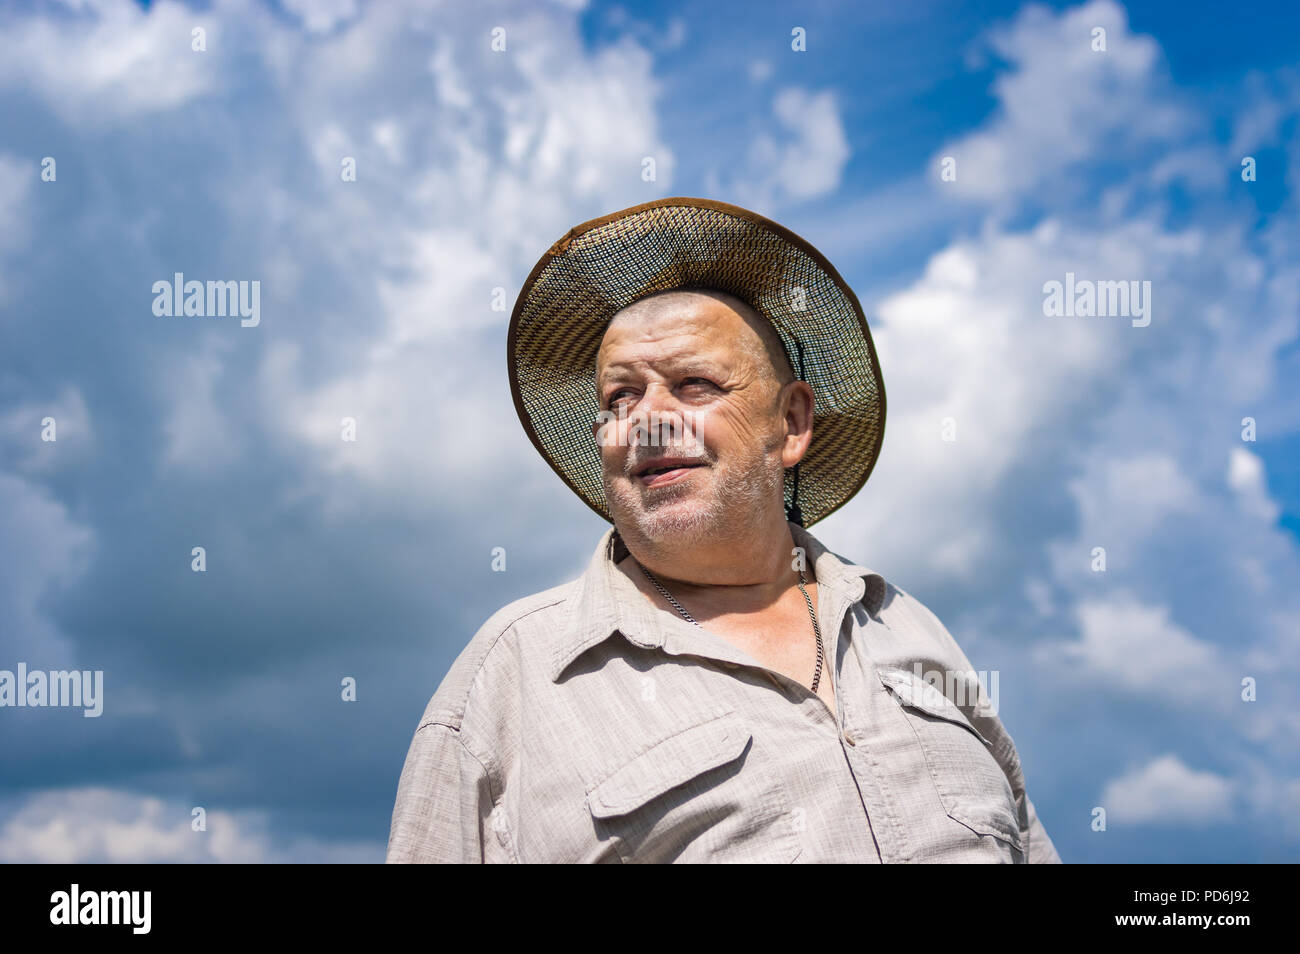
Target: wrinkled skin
706,375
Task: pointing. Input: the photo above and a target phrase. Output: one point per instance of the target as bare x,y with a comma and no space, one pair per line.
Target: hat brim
607,263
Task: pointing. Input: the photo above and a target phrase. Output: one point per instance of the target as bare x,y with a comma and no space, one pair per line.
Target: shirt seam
459,712
487,777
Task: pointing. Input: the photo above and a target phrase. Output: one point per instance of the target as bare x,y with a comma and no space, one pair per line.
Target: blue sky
372,559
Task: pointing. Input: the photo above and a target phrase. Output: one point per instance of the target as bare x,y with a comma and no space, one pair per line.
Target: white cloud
1127,646
430,432
1122,500
22,430
675,35
45,548
529,142
110,58
322,16
476,164
16,182
451,89
198,432
1267,102
1062,104
805,160
97,825
812,163
1166,791
1246,478
1272,796
968,341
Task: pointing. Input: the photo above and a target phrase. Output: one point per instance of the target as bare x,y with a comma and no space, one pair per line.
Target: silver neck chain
817,630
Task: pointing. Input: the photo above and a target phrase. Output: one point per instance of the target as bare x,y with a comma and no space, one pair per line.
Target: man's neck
740,572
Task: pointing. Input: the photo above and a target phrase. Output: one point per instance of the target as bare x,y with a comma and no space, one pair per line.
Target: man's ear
797,405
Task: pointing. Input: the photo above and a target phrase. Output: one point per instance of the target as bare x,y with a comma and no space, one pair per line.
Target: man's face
697,436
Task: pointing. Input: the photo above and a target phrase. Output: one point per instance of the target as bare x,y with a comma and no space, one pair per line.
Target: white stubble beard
730,508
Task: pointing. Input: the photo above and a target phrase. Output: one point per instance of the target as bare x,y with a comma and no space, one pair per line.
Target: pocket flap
910,690
669,763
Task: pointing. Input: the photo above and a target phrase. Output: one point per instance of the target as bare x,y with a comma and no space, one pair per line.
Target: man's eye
705,381
613,398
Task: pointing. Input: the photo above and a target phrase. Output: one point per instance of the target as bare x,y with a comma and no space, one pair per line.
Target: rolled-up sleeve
443,801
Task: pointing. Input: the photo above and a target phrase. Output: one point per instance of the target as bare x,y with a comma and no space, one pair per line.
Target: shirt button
848,737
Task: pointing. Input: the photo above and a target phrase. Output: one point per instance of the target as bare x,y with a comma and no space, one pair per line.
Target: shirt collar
606,601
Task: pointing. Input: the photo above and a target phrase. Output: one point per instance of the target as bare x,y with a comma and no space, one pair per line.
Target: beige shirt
584,724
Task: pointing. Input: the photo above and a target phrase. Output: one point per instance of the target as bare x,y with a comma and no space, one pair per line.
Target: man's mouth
654,473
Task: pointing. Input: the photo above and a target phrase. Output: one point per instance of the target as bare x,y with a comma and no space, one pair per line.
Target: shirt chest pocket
703,794
971,784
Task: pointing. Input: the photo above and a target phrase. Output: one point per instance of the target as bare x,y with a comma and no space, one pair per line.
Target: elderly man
717,685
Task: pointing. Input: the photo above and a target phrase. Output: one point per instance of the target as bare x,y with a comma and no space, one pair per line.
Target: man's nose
657,398
659,416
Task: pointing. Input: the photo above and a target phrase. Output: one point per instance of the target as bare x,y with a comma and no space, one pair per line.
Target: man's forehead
692,351
698,322
699,327
670,356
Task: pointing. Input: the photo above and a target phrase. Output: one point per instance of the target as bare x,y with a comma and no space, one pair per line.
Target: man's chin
681,515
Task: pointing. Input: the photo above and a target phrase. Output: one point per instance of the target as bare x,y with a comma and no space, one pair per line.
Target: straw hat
607,263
